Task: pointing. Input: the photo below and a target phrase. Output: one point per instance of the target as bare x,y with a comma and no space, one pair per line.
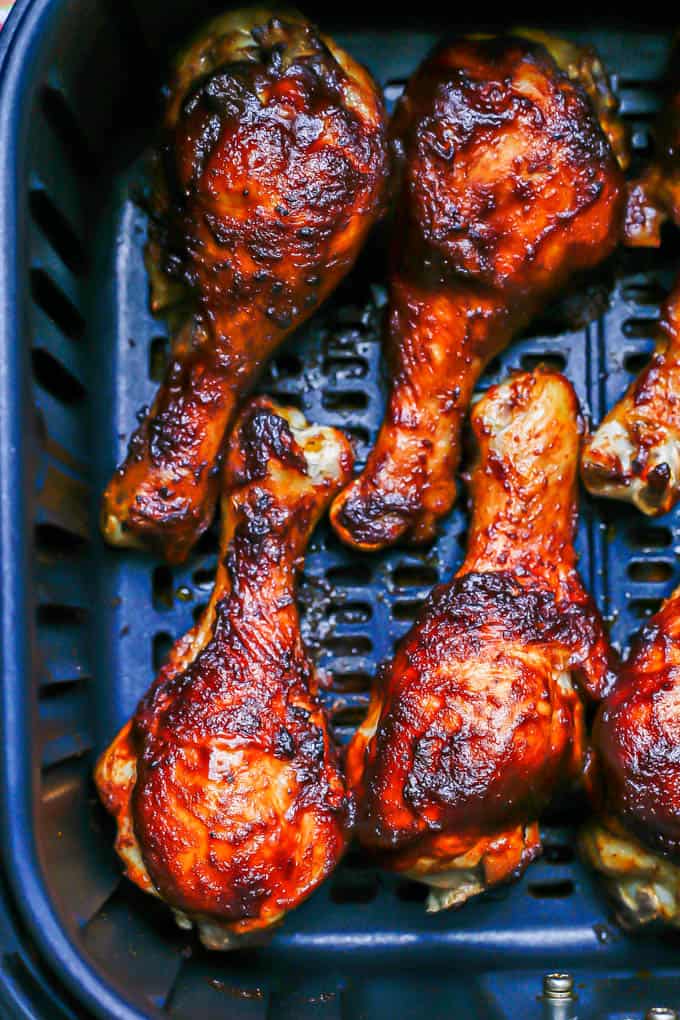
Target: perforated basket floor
362,946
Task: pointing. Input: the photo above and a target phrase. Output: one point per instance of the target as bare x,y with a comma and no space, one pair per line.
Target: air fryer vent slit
415,576
650,536
650,571
54,542
162,587
634,363
56,305
159,353
55,378
162,643
55,615
553,360
66,127
559,890
354,887
58,231
642,609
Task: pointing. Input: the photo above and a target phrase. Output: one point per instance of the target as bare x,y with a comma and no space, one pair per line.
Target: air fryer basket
85,627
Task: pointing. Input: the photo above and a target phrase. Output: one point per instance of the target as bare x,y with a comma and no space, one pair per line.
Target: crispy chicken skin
509,185
635,843
274,169
634,455
225,785
477,719
655,196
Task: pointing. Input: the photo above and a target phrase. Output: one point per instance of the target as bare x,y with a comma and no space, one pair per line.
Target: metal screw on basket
558,997
558,986
661,1013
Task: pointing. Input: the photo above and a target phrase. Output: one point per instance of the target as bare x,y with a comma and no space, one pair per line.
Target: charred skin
655,197
477,720
272,173
634,455
225,786
509,186
635,843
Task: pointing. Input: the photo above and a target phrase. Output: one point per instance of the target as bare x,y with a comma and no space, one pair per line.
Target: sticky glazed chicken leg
478,720
225,785
655,197
509,186
634,455
635,842
273,171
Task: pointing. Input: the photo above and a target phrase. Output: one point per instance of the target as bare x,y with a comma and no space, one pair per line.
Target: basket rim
24,36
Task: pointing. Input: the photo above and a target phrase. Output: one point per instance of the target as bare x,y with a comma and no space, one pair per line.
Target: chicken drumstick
635,843
477,719
509,186
225,785
275,164
634,454
655,197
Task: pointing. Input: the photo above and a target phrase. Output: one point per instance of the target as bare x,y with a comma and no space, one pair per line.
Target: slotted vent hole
552,360
346,402
358,432
286,366
287,399
644,608
204,578
407,610
349,574
198,611
53,542
66,127
648,293
634,363
640,329
350,612
551,890
208,542
650,571
349,716
159,353
54,378
637,84
52,614
346,368
358,859
162,643
341,345
56,306
55,691
162,587
649,537
557,853
353,682
354,887
350,315
411,892
58,231
357,644
415,576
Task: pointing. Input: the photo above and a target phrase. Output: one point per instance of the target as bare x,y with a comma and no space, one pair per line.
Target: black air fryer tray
84,628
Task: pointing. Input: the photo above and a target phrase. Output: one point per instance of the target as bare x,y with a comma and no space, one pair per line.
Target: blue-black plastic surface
84,626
